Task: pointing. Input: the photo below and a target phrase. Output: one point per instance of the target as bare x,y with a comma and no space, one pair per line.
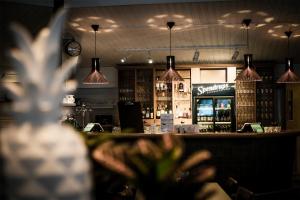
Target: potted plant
158,170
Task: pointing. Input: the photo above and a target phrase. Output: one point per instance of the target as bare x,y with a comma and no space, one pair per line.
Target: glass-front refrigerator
213,107
205,114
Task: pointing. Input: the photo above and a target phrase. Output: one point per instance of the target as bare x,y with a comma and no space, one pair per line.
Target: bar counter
261,162
211,134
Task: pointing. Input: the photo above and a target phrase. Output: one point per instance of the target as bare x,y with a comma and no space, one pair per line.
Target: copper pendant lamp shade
170,74
248,74
95,76
289,76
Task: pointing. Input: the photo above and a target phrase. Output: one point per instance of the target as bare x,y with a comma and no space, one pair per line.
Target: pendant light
170,74
248,74
289,76
95,76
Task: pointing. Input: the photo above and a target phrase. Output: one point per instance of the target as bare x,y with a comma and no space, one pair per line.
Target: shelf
222,108
187,99
69,104
205,122
223,122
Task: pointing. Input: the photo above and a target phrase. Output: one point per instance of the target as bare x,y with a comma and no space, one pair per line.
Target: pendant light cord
170,41
288,46
247,39
95,42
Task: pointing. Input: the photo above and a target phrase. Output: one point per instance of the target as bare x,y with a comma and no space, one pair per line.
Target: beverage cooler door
224,114
204,114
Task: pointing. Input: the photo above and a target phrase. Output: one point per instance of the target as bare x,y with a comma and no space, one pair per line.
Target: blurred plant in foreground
158,170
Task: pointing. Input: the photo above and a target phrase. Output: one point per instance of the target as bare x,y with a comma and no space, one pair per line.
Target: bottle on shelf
151,113
147,113
158,113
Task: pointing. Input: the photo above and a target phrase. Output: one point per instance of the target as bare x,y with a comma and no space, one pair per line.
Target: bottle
176,111
151,113
158,113
181,87
143,112
148,113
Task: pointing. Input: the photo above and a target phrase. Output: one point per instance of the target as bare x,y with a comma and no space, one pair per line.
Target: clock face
73,48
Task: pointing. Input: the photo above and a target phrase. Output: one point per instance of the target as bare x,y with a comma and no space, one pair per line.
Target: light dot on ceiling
261,13
78,19
161,16
229,25
269,19
110,21
150,20
244,11
81,29
278,26
93,17
178,16
226,15
260,25
74,24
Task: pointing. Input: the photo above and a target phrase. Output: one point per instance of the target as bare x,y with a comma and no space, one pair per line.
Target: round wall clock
73,48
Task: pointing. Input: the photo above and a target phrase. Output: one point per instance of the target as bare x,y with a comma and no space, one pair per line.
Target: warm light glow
297,35
80,24
110,21
221,21
160,16
244,11
150,20
123,60
107,30
275,35
187,26
178,16
260,25
278,26
270,31
189,20
177,28
78,19
163,28
150,60
153,25
81,29
294,25
93,17
229,26
226,15
261,13
269,19
74,24
282,36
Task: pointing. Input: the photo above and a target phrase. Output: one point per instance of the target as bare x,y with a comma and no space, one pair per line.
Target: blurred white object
41,158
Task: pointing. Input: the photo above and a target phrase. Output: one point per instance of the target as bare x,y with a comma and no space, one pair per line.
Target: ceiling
213,27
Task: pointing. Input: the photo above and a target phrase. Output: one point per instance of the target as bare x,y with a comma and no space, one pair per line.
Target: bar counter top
212,134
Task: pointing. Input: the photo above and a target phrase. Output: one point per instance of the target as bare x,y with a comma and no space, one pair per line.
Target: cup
116,129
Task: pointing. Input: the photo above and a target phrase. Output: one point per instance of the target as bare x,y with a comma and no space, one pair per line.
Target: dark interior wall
31,17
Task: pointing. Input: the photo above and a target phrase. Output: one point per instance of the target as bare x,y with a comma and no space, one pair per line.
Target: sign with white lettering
214,89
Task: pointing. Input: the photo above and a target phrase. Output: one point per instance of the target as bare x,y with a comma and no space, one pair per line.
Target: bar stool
244,194
230,186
